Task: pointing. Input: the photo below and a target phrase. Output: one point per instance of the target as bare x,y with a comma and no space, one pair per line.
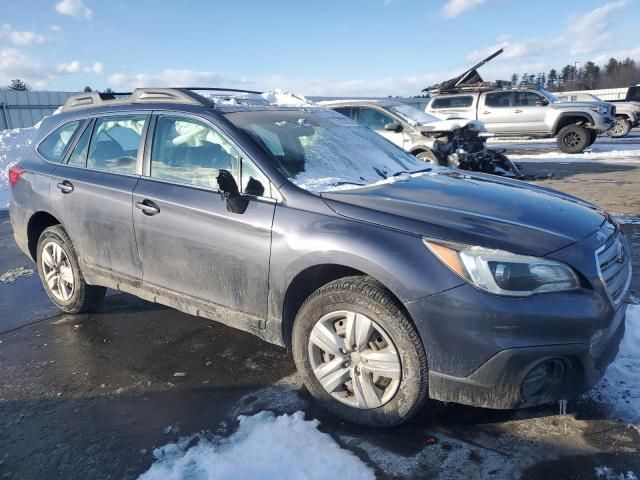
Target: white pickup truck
528,112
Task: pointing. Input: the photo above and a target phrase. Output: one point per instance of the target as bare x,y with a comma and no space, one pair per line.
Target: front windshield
319,149
412,115
549,96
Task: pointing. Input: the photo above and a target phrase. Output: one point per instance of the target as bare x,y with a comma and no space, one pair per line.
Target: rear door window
115,142
79,155
53,147
346,111
462,101
499,99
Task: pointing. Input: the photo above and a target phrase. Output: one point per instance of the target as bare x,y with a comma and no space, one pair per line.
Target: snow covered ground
265,447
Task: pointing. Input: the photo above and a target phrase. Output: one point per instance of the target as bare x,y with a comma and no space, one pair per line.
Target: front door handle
65,186
486,112
148,207
517,111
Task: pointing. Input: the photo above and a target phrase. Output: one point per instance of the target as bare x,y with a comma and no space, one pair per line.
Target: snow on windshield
412,115
321,150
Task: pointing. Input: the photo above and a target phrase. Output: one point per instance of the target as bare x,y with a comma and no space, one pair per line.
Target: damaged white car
457,143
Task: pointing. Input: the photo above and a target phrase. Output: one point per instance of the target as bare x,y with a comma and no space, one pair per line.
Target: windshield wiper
401,172
337,184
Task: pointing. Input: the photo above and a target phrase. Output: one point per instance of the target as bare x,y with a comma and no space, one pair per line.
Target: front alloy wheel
354,359
359,354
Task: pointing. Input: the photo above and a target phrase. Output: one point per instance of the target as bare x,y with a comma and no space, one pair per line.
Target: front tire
573,139
620,128
61,276
358,353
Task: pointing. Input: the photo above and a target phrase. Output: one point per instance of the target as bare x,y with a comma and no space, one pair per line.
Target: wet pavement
90,396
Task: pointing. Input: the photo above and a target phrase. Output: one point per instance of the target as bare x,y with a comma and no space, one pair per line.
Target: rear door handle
486,112
148,207
517,111
65,186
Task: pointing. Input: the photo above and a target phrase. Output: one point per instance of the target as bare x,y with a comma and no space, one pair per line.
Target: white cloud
20,39
15,64
74,8
76,66
590,31
55,28
453,8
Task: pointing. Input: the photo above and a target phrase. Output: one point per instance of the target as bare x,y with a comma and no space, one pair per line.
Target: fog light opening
544,379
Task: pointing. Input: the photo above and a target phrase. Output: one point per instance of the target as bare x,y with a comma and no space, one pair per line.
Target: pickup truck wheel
61,276
620,128
427,156
573,138
358,353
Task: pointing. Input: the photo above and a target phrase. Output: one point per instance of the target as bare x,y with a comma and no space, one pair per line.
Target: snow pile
608,473
13,146
277,98
600,155
620,387
264,447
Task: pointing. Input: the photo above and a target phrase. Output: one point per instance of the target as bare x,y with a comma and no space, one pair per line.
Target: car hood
475,209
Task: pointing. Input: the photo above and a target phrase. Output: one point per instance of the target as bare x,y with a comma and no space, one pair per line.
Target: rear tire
60,273
621,128
573,139
380,380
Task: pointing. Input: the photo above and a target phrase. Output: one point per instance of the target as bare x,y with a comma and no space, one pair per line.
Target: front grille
614,266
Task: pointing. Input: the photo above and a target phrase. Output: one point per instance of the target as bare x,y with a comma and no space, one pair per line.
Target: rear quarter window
54,145
453,102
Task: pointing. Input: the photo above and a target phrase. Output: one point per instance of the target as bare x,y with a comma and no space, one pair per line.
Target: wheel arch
38,222
570,119
311,279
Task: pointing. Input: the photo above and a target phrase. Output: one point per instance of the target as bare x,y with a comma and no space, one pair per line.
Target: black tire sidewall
578,129
75,303
409,394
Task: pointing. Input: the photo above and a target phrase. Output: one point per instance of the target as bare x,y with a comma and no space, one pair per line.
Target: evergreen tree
514,79
552,79
87,89
18,85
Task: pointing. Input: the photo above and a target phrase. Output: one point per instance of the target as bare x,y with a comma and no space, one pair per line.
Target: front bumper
498,382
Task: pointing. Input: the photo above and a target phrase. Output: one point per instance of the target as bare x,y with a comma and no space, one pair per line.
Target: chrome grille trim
613,261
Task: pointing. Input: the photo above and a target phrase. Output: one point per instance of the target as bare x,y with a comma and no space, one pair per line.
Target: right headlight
502,272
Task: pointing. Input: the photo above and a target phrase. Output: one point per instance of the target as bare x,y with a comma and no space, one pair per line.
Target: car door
376,120
189,243
91,194
496,112
530,109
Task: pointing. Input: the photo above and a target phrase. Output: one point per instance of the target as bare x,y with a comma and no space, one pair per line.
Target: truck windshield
411,114
320,150
549,96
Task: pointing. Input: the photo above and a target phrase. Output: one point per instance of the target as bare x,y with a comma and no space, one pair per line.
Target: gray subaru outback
389,280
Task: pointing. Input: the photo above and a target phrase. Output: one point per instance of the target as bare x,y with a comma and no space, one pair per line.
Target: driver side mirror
542,103
236,202
393,127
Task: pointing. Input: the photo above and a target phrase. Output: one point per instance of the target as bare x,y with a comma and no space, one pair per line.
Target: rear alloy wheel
358,353
573,139
60,273
620,128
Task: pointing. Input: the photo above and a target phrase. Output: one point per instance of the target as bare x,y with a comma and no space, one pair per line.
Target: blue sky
341,47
